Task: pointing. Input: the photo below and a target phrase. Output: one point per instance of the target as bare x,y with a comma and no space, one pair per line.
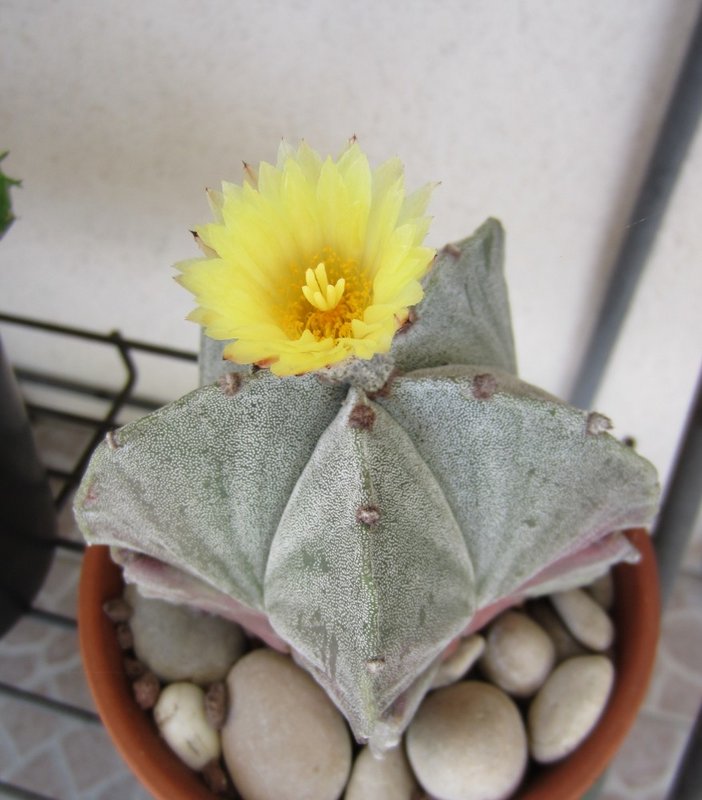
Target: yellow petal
310,261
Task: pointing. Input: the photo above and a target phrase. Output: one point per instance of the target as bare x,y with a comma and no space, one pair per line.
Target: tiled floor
66,758
646,764
55,754
41,750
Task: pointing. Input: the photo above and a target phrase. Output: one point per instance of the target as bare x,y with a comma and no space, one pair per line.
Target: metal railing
67,480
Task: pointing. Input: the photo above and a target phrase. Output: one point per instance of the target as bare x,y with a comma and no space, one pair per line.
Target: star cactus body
365,523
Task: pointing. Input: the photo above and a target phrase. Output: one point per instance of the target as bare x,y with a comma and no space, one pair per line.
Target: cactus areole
389,484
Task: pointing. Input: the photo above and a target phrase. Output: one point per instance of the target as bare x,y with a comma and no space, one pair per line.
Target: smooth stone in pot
179,643
584,618
454,667
180,718
541,611
602,590
467,742
568,706
387,778
283,738
519,654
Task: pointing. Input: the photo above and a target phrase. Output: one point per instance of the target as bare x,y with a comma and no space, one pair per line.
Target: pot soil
636,616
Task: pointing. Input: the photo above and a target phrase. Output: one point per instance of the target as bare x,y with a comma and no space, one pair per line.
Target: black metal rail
117,401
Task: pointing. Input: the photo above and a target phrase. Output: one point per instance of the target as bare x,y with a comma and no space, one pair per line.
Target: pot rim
636,616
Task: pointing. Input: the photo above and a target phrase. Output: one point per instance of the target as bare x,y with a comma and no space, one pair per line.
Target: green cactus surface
6,215
365,529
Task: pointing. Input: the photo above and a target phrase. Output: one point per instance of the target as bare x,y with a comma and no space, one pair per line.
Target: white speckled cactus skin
365,530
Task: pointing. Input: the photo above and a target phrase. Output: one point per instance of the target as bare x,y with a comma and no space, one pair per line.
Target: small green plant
6,215
395,484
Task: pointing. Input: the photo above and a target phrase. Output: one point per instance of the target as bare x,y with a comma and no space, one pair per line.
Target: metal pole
673,143
688,783
682,502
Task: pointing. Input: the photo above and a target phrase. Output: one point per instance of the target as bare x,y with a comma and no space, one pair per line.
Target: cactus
6,183
363,528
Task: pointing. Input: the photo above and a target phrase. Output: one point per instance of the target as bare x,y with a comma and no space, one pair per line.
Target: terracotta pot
636,616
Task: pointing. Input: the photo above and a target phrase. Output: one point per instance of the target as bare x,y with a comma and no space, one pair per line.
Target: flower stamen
319,292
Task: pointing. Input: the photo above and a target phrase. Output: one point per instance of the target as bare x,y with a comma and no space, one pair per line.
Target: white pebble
602,590
467,742
283,738
518,655
179,643
454,667
387,778
181,720
568,706
584,618
541,611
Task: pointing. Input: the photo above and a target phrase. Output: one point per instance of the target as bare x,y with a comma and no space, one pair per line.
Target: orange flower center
324,296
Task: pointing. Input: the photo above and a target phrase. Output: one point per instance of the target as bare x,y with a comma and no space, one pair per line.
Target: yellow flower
311,261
